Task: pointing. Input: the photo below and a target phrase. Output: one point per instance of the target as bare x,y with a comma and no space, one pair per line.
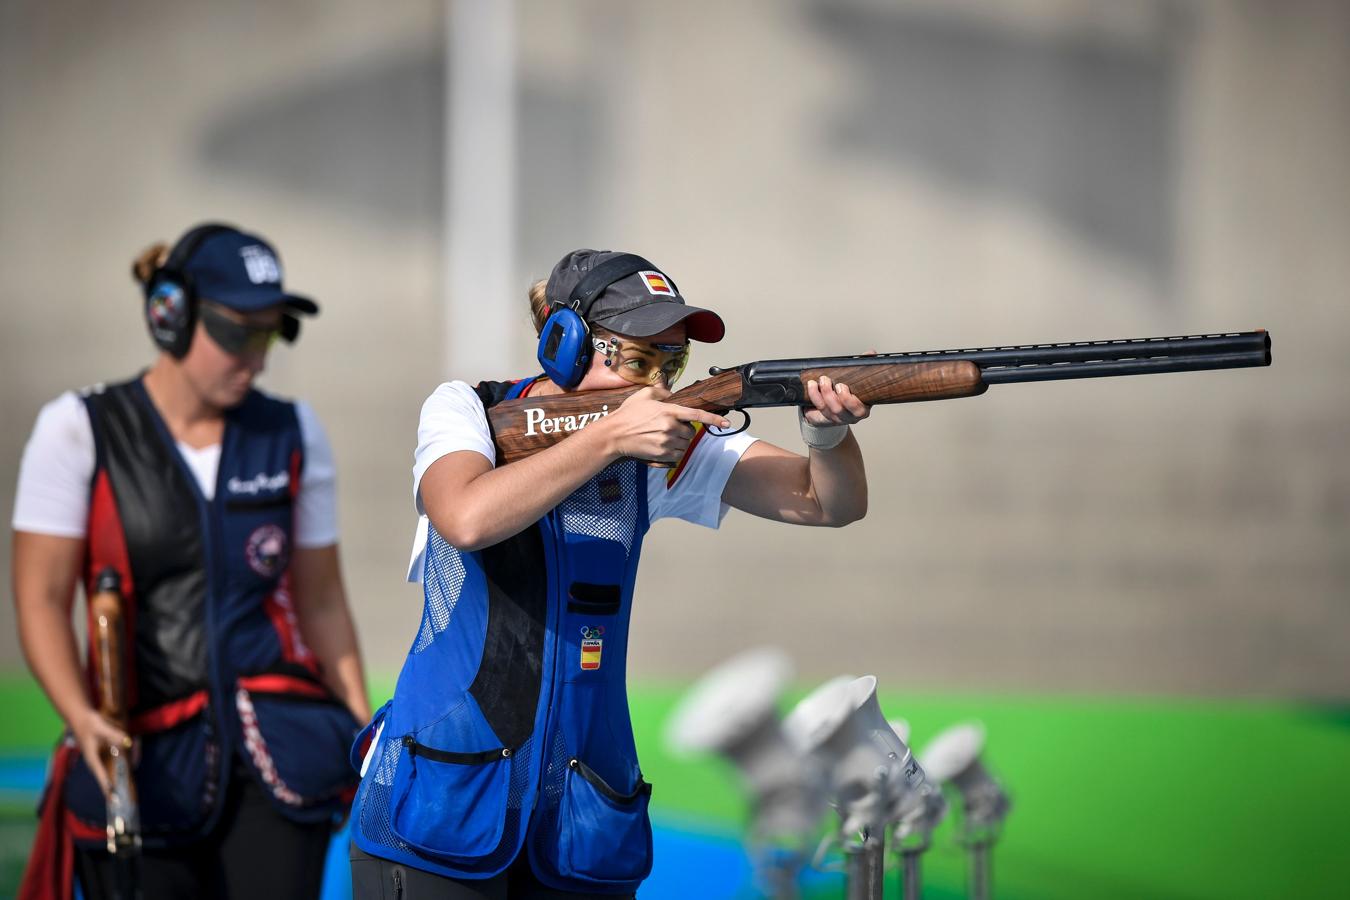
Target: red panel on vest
282,684
107,548
162,718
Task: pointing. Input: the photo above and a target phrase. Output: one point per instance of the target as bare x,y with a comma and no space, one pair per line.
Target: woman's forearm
45,570
335,647
50,648
325,620
839,482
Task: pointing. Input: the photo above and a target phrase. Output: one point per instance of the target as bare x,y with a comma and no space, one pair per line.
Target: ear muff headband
170,299
565,340
602,276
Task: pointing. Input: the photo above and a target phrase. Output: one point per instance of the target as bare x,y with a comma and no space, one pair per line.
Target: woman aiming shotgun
505,765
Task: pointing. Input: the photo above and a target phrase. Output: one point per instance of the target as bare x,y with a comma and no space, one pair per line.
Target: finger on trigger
690,415
713,419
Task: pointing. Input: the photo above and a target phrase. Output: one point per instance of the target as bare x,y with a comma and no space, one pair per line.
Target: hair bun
149,259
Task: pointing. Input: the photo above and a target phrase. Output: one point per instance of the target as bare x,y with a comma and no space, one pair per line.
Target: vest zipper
211,538
220,692
555,602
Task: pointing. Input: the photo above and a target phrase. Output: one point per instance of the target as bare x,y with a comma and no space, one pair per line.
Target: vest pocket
593,599
296,738
449,803
604,835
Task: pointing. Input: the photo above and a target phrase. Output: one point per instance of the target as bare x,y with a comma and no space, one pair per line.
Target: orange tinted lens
644,364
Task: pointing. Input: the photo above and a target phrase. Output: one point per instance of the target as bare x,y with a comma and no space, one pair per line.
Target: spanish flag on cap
656,283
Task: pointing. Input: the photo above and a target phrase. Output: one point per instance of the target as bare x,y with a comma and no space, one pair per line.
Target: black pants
254,853
379,879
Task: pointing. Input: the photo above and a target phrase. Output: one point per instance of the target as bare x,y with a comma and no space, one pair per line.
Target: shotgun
526,426
111,660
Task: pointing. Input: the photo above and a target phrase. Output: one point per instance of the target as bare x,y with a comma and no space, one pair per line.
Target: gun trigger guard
744,425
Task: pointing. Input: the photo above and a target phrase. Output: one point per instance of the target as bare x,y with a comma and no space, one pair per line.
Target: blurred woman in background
215,505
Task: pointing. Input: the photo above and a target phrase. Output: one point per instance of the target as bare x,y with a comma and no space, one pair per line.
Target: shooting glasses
639,362
239,338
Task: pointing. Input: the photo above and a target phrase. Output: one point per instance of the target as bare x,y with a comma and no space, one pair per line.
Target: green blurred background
1113,797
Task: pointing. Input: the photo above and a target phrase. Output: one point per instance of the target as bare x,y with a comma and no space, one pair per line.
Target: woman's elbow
461,532
854,510
847,517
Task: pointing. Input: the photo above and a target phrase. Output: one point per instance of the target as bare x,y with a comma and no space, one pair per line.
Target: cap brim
255,300
301,304
653,318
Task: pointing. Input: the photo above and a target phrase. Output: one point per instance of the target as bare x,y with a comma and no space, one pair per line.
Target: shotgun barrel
1037,362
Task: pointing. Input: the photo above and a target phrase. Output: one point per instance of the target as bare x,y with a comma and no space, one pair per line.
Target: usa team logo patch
262,267
265,550
592,643
657,284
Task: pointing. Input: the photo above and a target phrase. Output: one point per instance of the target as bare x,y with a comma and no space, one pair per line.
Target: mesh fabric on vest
443,579
606,506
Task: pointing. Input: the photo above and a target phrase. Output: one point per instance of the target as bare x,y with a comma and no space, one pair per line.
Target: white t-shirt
453,419
58,464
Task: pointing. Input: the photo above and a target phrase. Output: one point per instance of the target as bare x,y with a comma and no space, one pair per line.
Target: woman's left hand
834,403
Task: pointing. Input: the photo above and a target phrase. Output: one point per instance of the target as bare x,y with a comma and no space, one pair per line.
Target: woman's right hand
94,734
645,427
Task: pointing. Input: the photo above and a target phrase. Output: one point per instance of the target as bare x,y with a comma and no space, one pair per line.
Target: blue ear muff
565,348
565,340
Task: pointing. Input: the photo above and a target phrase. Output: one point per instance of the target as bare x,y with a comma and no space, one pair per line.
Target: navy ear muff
170,301
565,340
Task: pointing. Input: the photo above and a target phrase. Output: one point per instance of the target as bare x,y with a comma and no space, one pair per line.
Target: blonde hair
148,260
539,305
539,310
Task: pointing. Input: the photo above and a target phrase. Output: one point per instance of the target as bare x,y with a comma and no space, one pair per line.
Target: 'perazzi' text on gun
526,426
110,660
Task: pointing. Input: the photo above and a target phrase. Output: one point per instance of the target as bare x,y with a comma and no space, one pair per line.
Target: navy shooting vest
218,668
509,726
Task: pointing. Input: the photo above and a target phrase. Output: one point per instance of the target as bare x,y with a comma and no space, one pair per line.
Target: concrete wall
830,176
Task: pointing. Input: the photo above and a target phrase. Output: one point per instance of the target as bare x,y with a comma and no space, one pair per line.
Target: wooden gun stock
110,660
526,426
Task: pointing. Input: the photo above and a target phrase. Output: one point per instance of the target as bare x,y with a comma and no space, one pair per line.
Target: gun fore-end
905,382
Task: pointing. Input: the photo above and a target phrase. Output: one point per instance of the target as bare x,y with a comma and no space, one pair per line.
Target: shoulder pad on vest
493,392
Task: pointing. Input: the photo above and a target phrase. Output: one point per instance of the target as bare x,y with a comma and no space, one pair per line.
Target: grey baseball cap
640,305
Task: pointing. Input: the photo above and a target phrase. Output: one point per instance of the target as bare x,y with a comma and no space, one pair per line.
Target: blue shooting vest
509,725
217,667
